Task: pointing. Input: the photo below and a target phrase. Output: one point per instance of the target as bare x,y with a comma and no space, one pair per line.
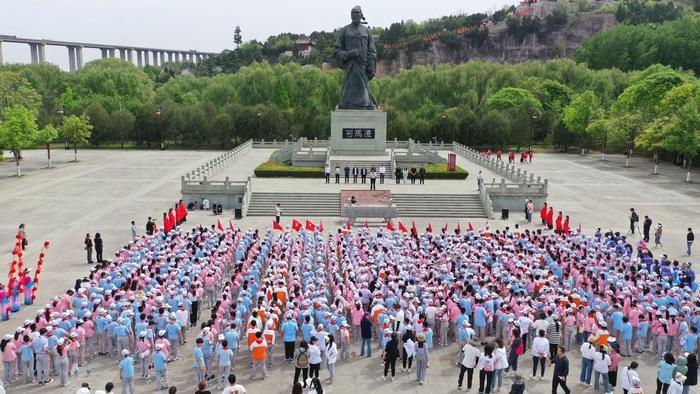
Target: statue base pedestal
358,132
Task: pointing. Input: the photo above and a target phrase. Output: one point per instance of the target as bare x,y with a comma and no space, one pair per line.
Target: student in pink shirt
357,314
9,359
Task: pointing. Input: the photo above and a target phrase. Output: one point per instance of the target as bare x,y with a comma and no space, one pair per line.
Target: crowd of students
496,295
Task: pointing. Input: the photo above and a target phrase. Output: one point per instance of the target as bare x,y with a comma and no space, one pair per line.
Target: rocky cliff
500,47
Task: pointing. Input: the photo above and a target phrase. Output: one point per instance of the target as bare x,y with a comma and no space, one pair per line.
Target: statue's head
356,15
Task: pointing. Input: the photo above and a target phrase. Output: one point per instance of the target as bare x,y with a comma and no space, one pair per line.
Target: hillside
500,46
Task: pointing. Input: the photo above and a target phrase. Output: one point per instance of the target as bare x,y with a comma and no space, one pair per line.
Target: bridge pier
71,59
162,58
34,53
0,53
104,53
139,58
155,58
130,55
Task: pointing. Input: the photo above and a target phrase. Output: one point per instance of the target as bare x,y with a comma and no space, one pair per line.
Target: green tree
76,129
638,103
18,131
582,111
237,37
521,105
101,123
677,129
46,136
122,122
15,90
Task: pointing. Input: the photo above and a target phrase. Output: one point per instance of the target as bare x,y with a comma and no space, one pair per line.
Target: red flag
277,226
219,226
348,226
415,230
230,225
310,226
320,226
471,228
459,228
430,228
444,229
579,227
296,225
390,226
402,228
366,224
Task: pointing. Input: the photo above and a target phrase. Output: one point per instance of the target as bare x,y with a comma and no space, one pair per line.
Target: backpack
303,360
488,365
520,349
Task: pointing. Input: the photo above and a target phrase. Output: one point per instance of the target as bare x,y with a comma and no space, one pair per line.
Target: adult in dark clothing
150,225
647,227
634,218
363,174
391,353
398,174
347,174
88,248
690,238
337,174
692,375
561,371
405,358
366,334
98,247
413,173
355,174
421,174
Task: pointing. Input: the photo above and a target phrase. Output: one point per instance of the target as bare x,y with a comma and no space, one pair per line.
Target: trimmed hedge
281,170
439,171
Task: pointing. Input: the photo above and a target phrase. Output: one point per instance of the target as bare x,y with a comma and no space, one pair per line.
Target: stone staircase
439,205
311,205
295,205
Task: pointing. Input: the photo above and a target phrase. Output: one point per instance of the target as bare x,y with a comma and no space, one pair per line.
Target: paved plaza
108,188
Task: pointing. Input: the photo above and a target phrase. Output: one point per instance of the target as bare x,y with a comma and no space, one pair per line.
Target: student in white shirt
601,363
540,349
232,387
469,359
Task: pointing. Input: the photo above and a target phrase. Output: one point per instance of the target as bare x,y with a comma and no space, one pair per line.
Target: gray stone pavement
107,189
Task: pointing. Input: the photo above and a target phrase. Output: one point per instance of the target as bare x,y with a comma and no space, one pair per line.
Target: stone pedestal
358,132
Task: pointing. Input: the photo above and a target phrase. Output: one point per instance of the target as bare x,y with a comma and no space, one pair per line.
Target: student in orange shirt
258,350
271,339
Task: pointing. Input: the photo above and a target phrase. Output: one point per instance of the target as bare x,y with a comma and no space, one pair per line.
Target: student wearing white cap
160,361
61,357
126,372
9,359
676,386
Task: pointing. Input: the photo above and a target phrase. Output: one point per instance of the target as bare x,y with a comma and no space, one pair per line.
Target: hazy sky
204,25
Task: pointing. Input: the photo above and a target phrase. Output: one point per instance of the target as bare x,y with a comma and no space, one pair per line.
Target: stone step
328,204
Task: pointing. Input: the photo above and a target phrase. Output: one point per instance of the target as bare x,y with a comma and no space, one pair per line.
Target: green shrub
439,171
281,170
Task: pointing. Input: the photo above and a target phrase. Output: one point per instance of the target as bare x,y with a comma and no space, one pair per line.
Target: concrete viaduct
137,55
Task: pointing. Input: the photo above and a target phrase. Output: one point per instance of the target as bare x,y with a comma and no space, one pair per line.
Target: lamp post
532,132
443,119
159,113
259,115
62,112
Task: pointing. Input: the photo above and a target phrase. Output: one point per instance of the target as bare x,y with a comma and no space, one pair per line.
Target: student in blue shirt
160,362
690,341
642,333
290,328
626,332
173,330
480,322
126,372
306,328
199,368
26,357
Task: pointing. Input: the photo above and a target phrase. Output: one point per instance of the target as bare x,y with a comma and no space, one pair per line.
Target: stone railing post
517,176
539,179
524,177
546,185
532,178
